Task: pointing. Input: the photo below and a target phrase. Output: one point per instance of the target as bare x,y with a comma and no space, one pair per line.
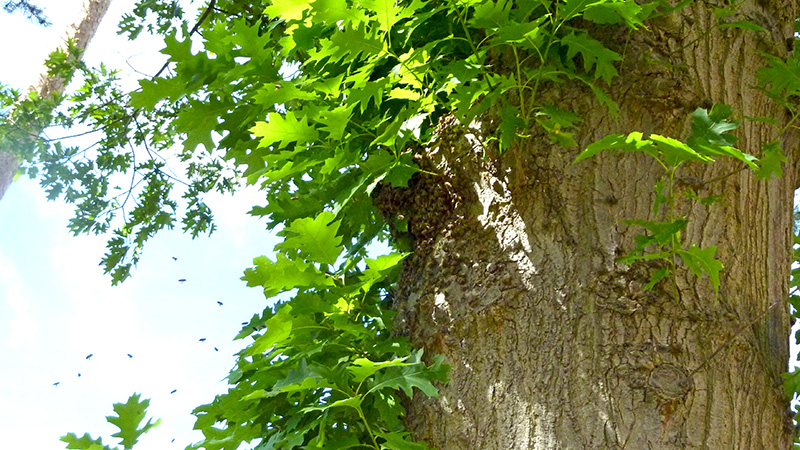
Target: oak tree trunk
555,345
82,33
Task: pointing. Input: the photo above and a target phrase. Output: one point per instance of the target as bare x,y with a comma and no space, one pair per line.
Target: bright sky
56,306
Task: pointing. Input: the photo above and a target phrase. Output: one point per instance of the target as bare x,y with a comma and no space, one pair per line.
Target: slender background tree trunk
553,344
82,32
8,167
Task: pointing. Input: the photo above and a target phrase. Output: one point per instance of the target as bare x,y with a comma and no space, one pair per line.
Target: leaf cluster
316,101
122,184
129,422
710,138
322,370
155,16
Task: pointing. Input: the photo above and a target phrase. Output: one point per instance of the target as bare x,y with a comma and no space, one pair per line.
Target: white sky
56,306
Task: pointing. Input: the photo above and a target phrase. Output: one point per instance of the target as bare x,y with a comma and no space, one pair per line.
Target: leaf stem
369,430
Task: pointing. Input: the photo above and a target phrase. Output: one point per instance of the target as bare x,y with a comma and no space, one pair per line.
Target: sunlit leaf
129,416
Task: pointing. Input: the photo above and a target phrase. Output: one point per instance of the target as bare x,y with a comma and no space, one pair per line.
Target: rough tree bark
82,32
553,344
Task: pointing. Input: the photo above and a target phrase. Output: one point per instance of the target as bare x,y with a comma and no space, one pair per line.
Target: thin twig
194,30
736,334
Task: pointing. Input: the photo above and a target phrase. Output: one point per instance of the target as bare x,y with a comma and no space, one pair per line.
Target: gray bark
553,344
82,32
8,167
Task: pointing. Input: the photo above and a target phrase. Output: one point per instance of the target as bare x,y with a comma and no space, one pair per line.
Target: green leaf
780,79
559,124
656,277
282,130
490,14
762,119
721,13
606,100
281,93
177,50
153,91
83,443
511,124
349,43
198,121
389,12
315,238
413,375
710,134
573,8
527,33
284,274
705,201
337,11
370,92
400,441
660,230
335,122
661,234
288,10
301,378
594,54
404,94
701,261
660,197
385,166
642,241
676,152
255,395
352,402
771,160
378,269
278,330
791,383
129,416
363,367
631,142
713,128
708,150
613,12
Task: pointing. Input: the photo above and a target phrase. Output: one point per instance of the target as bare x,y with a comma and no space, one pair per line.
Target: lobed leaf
315,238
701,261
129,416
282,130
596,57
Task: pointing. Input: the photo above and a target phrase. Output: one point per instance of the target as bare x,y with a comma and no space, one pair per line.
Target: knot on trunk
670,382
